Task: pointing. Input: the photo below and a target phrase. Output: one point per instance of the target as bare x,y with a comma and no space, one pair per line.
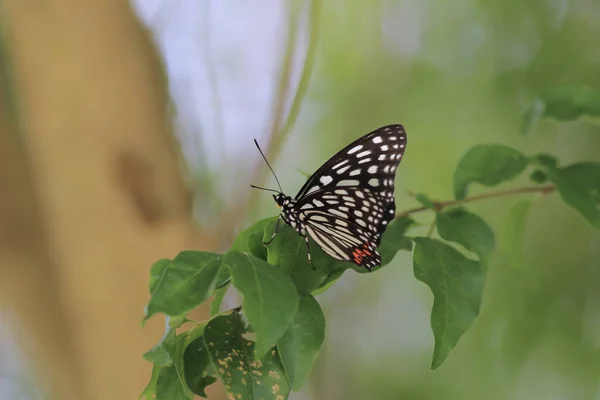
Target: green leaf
579,186
244,376
251,239
301,343
331,279
545,160
288,252
488,165
270,298
198,368
194,366
514,231
425,200
394,239
563,102
178,286
161,353
169,386
538,176
149,392
215,306
469,230
457,286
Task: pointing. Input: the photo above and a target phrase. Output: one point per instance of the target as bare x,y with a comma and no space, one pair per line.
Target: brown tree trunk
105,197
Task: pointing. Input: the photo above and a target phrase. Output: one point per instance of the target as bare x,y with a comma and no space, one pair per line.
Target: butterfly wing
368,162
347,204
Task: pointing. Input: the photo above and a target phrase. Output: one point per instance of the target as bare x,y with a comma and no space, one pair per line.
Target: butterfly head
281,199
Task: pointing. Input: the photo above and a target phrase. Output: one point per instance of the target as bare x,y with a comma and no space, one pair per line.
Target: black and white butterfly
346,204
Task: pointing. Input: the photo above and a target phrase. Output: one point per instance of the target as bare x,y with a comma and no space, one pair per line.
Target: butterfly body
347,203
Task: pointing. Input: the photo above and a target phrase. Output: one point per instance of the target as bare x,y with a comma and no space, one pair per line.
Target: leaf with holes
488,165
563,102
470,230
179,285
301,343
457,286
579,186
270,298
198,367
243,375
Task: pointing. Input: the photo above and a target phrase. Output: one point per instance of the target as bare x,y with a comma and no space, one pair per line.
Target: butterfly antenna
262,188
268,165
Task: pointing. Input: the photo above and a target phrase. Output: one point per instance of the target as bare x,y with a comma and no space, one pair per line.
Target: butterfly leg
274,233
308,253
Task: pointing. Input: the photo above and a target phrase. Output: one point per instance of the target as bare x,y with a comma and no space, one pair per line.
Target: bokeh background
126,136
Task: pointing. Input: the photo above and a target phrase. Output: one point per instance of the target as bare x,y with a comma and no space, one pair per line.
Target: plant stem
440,205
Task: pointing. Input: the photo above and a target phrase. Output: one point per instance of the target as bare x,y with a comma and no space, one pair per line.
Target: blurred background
126,136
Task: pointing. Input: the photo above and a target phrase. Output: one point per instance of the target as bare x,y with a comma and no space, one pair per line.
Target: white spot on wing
381,157
342,170
384,147
355,172
361,222
306,206
337,212
326,179
336,166
348,182
364,160
341,191
313,189
377,139
364,153
372,169
373,182
355,149
318,203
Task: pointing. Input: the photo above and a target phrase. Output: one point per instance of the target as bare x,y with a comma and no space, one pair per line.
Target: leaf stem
440,205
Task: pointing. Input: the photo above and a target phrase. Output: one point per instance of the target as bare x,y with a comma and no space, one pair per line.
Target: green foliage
488,165
270,298
579,186
268,346
563,102
467,229
457,286
301,343
244,375
179,285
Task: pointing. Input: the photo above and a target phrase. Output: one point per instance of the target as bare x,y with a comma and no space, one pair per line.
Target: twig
439,205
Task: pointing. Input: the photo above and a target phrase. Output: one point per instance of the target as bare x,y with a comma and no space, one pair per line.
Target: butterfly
346,205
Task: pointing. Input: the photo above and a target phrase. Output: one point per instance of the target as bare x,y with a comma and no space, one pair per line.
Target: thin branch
450,203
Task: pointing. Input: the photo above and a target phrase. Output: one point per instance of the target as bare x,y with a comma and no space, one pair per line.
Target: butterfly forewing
346,204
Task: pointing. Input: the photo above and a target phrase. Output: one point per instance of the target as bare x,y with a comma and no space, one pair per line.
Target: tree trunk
105,197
